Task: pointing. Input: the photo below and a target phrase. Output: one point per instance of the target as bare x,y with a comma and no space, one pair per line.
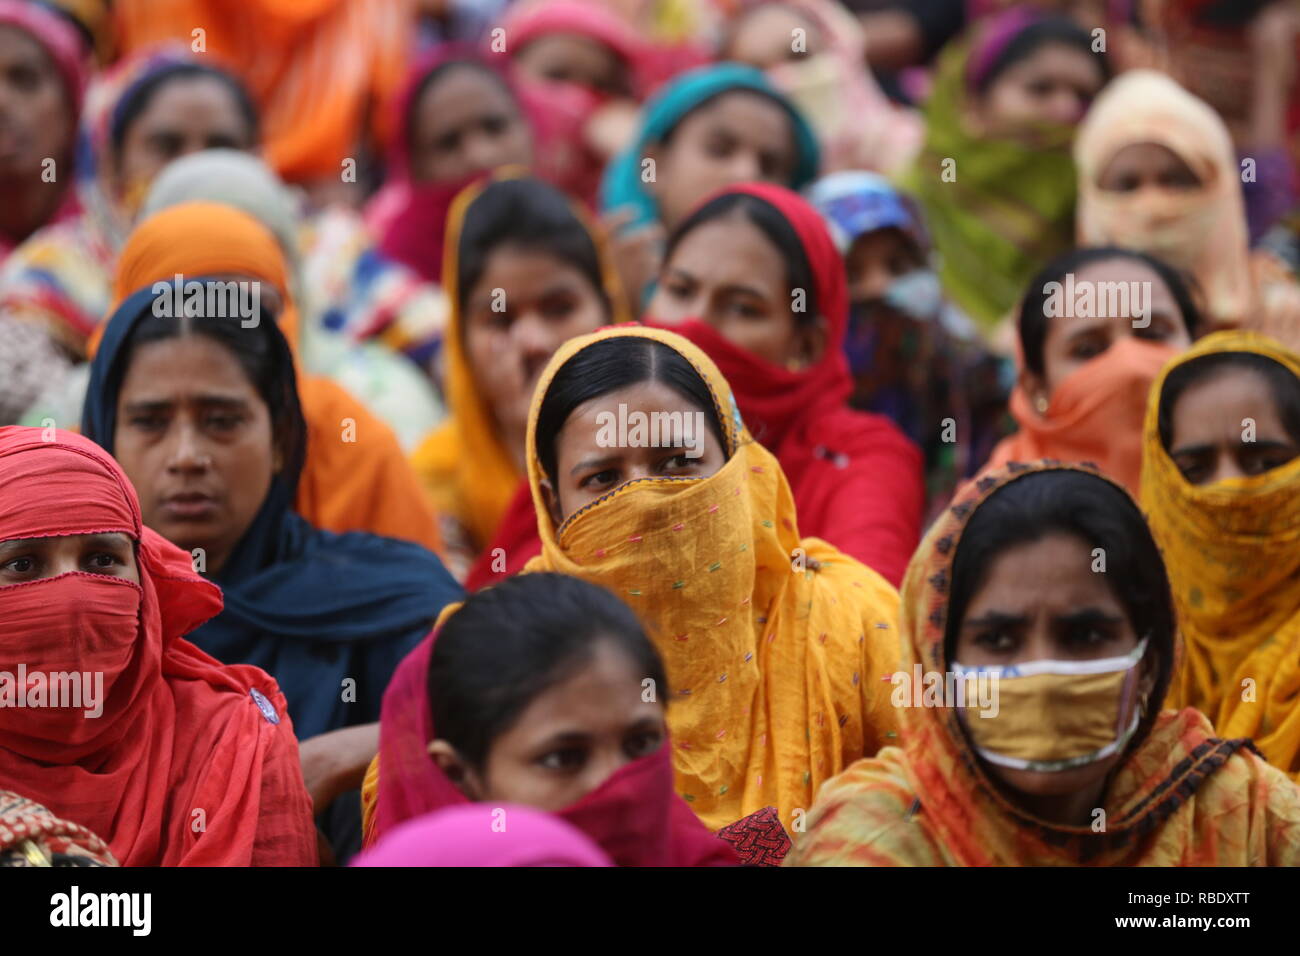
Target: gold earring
1040,403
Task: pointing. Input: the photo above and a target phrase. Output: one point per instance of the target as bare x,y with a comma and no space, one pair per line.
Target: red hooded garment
635,816
857,480
191,762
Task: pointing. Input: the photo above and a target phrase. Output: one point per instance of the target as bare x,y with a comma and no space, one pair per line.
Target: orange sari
356,476
320,70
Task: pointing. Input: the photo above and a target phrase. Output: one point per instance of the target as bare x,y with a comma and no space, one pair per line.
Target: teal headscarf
622,185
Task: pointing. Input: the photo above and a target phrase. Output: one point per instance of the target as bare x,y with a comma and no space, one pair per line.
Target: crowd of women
971,536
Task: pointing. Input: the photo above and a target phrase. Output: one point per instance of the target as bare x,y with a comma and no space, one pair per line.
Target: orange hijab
319,69
1095,415
356,477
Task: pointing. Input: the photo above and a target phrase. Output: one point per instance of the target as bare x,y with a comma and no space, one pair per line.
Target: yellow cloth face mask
1053,715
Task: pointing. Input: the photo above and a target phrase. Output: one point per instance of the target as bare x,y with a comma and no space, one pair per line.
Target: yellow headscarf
464,465
1233,553
774,645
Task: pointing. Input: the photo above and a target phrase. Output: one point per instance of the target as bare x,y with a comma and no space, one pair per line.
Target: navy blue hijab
312,608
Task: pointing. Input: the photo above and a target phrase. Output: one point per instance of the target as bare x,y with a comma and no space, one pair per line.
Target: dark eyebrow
1191,450
103,539
162,404
746,290
566,737
995,619
110,539
1268,444
1088,615
586,463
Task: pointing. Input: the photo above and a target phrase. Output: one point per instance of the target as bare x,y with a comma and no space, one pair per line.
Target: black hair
1049,31
527,214
1282,385
773,225
1033,318
1093,509
509,643
261,352
137,98
441,71
611,364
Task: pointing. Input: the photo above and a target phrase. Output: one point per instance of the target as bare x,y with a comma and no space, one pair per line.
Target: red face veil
170,731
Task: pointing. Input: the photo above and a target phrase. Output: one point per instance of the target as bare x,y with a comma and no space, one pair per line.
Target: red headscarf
856,479
190,762
634,816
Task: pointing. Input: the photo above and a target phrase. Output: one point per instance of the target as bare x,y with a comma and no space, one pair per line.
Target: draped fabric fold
855,477
1180,797
634,816
774,643
314,608
356,477
1233,553
181,737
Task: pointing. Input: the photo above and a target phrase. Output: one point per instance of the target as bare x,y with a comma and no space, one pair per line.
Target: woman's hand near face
637,254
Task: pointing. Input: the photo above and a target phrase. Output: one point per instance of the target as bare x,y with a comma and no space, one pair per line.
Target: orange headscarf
1095,414
319,69
356,477
1180,797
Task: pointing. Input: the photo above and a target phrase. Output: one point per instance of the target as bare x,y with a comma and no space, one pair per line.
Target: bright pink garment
480,834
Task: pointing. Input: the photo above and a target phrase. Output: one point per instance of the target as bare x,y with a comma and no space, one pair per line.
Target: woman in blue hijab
202,412
709,128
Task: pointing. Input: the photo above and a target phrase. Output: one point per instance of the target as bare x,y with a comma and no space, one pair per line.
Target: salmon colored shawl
1233,553
362,484
192,762
1201,231
1181,796
467,469
774,644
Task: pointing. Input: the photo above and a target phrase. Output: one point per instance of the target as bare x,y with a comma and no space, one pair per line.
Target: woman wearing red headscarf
753,278
124,727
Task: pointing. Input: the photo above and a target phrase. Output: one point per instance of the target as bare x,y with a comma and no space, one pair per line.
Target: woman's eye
600,478
147,422
20,565
999,641
1087,635
569,759
1194,471
557,308
678,462
1086,350
639,745
719,147
746,310
223,422
103,560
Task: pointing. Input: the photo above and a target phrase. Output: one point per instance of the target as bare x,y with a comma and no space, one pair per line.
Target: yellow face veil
772,644
1233,554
